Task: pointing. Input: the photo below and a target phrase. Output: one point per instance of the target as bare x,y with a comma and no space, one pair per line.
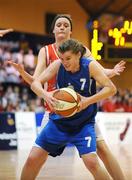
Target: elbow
113,90
33,85
31,80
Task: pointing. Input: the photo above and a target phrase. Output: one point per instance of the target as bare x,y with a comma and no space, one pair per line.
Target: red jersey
51,55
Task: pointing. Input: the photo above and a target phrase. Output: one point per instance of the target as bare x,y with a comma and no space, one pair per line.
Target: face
70,61
62,29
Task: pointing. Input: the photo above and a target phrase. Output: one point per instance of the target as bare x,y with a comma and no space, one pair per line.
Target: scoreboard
117,45
116,53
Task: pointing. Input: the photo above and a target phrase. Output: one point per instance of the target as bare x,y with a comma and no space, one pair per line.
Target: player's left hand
119,67
3,32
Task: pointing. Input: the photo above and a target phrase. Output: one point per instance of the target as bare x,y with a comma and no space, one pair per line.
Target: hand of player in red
50,100
18,67
119,68
3,32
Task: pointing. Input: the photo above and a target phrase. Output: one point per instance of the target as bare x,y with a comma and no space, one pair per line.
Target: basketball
68,102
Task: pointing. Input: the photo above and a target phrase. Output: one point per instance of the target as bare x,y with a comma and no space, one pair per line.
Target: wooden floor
66,167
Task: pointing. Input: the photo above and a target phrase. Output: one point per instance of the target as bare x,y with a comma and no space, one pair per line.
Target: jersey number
83,81
88,138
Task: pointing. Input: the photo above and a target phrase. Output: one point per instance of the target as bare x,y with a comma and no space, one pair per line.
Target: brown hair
72,45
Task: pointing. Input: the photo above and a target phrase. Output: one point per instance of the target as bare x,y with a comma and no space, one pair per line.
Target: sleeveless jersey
81,82
51,55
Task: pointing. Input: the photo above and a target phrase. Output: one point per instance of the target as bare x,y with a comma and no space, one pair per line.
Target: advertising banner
26,129
8,136
116,127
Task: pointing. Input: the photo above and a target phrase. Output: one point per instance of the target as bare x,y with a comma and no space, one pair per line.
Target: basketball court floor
68,166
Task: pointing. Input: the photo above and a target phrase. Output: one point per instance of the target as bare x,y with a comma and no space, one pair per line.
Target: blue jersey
82,84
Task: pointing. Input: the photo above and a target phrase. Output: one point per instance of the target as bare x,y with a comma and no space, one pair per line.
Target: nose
62,26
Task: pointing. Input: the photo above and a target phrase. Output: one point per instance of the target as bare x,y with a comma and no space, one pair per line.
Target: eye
68,58
58,25
66,25
61,59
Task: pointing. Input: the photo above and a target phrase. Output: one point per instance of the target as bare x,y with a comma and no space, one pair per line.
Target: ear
53,31
79,54
70,33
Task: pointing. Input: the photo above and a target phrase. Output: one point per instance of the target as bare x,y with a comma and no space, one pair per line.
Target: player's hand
119,68
50,100
83,103
18,67
3,32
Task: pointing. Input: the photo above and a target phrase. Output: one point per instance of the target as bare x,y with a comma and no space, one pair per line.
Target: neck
59,41
75,69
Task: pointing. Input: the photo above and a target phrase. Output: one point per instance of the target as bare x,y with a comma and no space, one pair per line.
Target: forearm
103,94
37,88
27,77
109,72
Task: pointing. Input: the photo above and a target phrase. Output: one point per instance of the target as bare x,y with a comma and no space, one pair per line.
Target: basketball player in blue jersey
62,29
78,129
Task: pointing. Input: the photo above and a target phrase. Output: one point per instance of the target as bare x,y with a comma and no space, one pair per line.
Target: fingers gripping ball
68,102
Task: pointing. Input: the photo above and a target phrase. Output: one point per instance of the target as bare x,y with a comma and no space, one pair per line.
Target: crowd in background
12,51
19,97
15,95
121,102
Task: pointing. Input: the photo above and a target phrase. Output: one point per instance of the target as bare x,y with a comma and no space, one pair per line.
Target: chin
67,69
62,36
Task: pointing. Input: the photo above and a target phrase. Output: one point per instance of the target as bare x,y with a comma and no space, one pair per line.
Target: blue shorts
54,141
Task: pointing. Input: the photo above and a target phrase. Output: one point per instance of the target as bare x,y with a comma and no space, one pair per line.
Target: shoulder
56,63
43,49
88,54
85,61
94,68
88,63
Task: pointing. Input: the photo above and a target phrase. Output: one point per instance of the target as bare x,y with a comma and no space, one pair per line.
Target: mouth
67,67
62,32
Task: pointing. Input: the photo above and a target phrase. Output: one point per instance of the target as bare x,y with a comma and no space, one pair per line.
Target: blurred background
104,26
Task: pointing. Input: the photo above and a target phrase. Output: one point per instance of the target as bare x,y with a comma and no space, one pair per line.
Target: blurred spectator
11,51
108,105
39,105
121,102
1,53
3,73
29,61
12,74
18,56
6,55
128,104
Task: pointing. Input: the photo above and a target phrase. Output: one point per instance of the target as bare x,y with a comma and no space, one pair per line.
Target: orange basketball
68,102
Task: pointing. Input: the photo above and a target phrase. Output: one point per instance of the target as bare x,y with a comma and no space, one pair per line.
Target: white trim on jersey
47,56
55,51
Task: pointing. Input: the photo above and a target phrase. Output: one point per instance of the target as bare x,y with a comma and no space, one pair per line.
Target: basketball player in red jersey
62,29
5,31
